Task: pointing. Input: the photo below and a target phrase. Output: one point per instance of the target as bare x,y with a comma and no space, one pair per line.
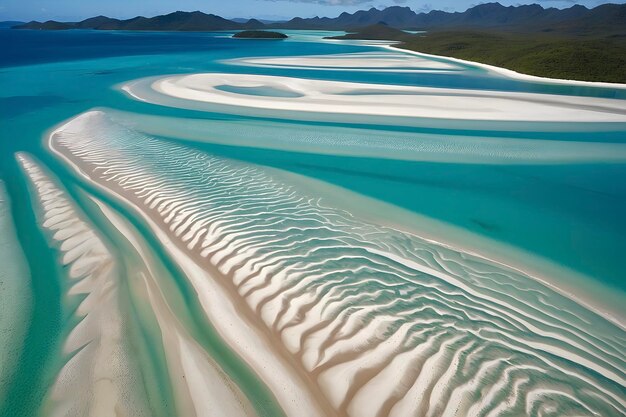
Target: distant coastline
589,59
514,74
492,16
597,57
572,44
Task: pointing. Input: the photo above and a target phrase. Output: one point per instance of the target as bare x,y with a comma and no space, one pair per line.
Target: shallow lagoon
561,221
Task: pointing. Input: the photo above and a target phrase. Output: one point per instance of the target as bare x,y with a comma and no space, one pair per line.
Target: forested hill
525,18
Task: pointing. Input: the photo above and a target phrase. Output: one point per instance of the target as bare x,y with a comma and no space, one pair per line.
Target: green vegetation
259,34
547,55
575,43
587,56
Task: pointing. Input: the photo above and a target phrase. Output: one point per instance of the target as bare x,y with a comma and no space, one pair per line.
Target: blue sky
268,9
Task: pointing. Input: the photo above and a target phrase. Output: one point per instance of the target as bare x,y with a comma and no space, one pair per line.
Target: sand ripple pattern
98,379
383,321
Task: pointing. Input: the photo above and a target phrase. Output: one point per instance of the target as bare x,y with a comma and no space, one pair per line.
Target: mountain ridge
533,17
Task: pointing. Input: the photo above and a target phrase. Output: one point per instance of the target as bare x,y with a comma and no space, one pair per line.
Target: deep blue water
27,47
24,47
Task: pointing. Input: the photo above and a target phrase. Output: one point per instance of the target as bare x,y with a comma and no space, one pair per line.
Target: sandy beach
308,95
507,72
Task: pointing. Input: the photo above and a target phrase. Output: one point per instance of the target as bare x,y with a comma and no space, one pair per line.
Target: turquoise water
561,221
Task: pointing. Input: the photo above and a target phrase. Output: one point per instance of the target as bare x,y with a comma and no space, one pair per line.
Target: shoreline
508,72
345,284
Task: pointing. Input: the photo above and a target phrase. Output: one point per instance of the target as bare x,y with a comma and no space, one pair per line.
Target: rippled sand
187,278
98,379
101,376
361,318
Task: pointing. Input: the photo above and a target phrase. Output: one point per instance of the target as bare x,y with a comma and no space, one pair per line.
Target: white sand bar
366,61
307,95
200,385
99,378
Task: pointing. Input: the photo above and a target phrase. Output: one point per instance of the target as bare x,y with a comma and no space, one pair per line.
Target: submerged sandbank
15,295
201,386
351,306
376,143
101,375
239,330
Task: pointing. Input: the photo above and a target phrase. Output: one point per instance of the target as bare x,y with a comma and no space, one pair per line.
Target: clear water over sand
275,240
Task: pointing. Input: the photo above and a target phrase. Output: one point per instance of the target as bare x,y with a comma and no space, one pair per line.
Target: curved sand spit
363,61
374,321
318,96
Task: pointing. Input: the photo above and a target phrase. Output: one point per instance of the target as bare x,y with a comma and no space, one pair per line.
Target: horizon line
286,19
